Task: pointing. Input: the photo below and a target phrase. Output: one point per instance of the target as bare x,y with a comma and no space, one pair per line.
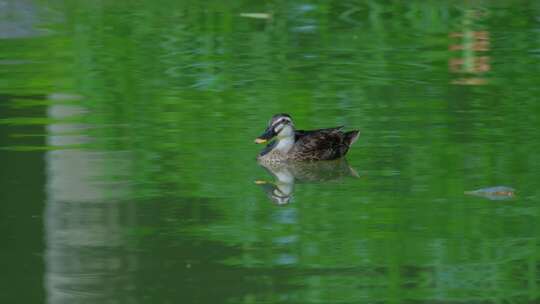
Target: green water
128,163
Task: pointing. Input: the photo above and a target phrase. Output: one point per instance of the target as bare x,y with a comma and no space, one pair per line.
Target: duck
291,145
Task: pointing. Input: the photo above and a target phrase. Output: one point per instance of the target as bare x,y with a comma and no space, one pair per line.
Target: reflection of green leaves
184,88
26,121
43,148
141,232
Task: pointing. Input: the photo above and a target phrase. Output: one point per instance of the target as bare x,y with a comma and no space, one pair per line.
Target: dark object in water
293,145
496,193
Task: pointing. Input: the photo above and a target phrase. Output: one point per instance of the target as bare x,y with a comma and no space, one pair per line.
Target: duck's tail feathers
351,137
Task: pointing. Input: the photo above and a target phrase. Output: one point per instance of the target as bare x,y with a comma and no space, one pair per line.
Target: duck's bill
266,136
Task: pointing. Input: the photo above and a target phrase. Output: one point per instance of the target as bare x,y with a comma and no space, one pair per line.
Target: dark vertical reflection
21,206
85,220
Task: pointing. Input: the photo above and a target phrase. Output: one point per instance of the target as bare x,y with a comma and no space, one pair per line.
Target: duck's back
322,144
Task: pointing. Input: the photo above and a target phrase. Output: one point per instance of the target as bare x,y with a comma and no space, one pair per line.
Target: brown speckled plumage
312,145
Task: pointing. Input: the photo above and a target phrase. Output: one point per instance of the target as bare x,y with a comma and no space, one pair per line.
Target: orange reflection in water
470,65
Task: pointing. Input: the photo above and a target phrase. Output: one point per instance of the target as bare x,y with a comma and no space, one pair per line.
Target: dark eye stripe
279,121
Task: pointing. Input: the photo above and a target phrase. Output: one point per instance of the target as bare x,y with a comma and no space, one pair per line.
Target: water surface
128,163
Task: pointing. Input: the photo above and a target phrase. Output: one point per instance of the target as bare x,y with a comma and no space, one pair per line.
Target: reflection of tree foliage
185,86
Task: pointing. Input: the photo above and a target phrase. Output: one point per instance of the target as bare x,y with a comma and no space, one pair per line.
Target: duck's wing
322,144
298,134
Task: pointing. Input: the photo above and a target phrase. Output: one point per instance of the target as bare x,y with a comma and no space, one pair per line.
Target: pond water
128,163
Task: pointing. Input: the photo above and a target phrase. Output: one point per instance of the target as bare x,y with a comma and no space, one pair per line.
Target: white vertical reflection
85,220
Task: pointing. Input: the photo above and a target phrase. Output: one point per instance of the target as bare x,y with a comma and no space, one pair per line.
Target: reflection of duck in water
286,174
297,145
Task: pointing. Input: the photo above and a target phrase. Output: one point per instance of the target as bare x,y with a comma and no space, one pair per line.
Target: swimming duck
299,145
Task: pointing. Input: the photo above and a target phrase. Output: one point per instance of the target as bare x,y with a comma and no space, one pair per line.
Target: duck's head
280,126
